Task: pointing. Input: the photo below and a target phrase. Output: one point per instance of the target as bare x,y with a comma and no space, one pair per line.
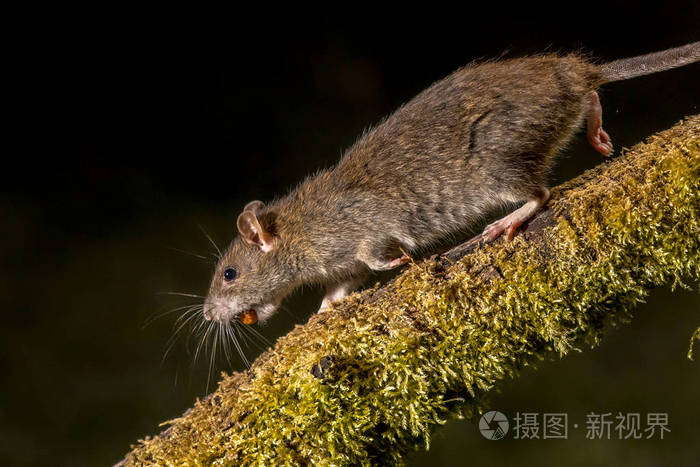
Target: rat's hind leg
339,291
379,257
510,223
598,138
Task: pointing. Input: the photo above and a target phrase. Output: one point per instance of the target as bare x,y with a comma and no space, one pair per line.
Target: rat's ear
252,232
254,206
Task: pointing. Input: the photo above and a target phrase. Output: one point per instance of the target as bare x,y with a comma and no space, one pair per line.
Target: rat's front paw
325,305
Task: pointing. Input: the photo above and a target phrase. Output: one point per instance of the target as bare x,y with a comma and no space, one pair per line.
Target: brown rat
484,137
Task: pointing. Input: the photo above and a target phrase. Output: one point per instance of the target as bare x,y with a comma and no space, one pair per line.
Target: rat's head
249,281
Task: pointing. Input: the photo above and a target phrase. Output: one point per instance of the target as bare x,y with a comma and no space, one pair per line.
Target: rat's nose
208,311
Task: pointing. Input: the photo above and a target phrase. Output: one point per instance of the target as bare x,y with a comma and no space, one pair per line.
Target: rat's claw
496,229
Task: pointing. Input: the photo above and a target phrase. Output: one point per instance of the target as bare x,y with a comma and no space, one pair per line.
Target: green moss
406,360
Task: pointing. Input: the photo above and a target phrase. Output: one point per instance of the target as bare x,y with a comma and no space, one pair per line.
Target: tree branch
368,381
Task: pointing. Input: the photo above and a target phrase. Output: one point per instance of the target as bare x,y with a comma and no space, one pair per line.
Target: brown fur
486,135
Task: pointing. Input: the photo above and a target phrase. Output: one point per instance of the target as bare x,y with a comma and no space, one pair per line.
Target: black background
130,128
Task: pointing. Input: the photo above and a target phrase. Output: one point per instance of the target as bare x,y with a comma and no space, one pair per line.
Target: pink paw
496,229
601,142
395,263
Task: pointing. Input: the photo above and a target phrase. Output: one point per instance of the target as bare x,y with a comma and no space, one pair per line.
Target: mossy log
367,382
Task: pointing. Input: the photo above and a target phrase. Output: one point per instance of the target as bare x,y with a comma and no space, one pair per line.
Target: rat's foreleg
598,138
335,292
510,223
377,264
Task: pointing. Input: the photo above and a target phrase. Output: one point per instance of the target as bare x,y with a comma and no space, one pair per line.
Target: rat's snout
218,309
212,310
208,311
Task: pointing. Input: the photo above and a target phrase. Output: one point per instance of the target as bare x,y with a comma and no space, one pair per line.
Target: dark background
131,128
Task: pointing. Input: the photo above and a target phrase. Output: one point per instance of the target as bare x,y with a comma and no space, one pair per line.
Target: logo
493,425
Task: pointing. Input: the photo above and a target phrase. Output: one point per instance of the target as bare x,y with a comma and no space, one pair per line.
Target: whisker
157,316
191,253
254,332
185,319
173,338
193,311
232,336
240,351
210,240
198,329
213,336
225,345
222,338
203,331
213,356
247,340
246,336
182,294
238,332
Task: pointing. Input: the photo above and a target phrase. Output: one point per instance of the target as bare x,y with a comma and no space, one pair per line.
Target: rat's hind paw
510,223
601,142
598,138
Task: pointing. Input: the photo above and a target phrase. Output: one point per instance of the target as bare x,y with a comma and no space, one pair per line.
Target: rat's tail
632,67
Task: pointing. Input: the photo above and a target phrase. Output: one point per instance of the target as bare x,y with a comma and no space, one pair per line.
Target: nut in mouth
248,317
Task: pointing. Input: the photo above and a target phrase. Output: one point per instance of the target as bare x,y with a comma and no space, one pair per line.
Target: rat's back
483,136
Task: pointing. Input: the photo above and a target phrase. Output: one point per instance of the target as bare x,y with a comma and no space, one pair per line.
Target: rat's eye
229,274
